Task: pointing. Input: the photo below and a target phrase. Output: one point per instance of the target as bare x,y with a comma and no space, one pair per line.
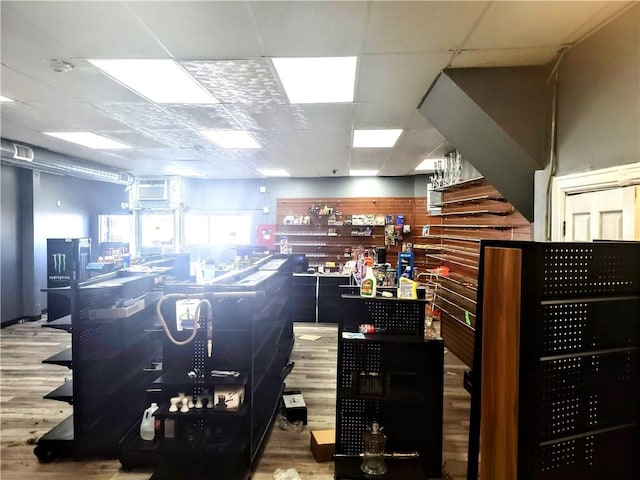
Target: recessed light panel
267,172
5,99
161,81
231,138
317,80
375,138
89,139
429,164
363,173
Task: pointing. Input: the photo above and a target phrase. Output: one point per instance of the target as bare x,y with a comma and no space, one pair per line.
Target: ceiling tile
530,24
401,78
202,29
311,29
516,57
238,81
92,29
268,116
368,158
396,27
202,117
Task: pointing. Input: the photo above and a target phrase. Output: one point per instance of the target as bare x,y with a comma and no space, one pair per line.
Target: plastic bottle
147,425
368,284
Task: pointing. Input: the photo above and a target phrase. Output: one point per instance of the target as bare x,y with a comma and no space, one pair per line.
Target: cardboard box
323,444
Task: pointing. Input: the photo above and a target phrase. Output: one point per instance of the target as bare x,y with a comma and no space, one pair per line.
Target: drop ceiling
228,47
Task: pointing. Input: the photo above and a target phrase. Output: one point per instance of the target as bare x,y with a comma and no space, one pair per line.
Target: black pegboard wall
571,270
355,416
582,326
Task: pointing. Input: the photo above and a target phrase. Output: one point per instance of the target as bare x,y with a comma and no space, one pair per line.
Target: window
113,228
217,229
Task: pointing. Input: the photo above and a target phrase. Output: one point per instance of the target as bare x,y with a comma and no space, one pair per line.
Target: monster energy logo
59,262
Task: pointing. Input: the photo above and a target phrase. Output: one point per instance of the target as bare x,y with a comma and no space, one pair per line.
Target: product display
373,457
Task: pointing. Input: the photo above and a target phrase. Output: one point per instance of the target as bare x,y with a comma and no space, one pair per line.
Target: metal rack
560,349
395,378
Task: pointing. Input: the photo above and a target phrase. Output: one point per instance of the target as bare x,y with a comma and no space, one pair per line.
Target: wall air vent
21,152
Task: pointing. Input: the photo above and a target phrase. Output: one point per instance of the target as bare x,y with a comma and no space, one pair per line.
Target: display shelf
62,323
108,360
174,379
401,387
557,335
349,469
461,184
471,211
63,393
253,335
63,358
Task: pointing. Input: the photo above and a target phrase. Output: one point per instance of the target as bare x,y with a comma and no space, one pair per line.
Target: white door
603,215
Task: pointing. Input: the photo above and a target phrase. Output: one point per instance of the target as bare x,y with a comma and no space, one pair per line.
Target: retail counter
315,297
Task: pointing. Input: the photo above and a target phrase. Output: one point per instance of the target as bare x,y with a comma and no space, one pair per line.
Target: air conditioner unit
153,190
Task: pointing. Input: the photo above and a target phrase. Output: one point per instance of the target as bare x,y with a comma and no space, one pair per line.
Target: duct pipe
34,158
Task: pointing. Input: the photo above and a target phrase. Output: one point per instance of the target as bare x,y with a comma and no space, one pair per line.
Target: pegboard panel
354,416
590,269
599,456
579,326
358,357
581,394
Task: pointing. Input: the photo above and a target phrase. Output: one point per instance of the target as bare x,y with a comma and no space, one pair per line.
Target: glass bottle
374,443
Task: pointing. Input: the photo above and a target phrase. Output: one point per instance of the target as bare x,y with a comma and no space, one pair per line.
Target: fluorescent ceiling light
5,99
375,138
231,138
161,81
363,173
89,139
274,172
185,172
317,80
429,164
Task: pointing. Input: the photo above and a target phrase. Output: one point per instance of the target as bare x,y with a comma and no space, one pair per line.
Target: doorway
597,205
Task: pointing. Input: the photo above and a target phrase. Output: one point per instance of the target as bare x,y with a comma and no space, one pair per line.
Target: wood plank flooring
25,415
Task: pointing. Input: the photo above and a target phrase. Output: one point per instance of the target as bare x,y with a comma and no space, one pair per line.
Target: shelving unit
395,378
252,334
470,211
110,345
325,238
556,390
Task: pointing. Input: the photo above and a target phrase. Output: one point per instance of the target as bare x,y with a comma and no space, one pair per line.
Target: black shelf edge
62,432
63,393
174,379
63,358
388,338
201,413
62,323
349,469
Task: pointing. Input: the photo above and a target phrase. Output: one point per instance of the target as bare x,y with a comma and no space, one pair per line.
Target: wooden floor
25,415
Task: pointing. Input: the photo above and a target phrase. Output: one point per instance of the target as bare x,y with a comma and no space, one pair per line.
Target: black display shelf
62,323
395,379
63,358
253,335
173,379
63,393
349,469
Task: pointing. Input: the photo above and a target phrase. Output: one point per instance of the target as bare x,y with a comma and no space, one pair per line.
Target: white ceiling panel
267,117
92,29
238,81
315,28
383,114
396,27
516,57
401,78
530,23
202,117
201,30
331,116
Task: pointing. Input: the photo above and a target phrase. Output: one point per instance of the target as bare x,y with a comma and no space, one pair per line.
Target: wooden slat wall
322,248
471,211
